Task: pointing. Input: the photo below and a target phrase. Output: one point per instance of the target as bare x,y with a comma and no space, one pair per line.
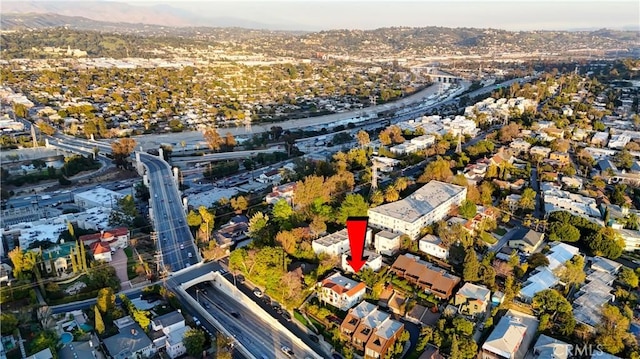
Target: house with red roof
101,251
341,292
115,238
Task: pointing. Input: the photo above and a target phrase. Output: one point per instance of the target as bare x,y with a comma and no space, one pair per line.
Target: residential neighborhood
193,194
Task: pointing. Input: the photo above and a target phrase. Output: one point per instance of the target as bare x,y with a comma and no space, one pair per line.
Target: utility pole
158,255
33,135
374,174
459,145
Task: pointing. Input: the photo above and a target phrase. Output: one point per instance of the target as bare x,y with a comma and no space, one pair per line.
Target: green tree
557,307
471,267
9,323
257,225
194,220
240,203
606,242
353,205
363,138
106,300
528,199
537,260
563,231
628,278
194,340
613,329
282,211
468,209
440,170
42,340
99,323
573,271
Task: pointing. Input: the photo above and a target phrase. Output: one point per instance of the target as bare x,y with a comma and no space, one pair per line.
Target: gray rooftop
470,290
605,265
363,309
528,236
421,202
388,328
76,350
387,234
375,318
129,340
333,238
547,347
168,319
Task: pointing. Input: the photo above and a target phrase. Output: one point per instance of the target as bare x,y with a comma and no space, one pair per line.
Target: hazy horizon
508,15
331,14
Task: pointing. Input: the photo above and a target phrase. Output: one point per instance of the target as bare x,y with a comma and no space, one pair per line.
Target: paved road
170,222
248,328
247,289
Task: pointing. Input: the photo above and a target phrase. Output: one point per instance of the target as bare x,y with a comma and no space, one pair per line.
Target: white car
285,349
181,246
190,255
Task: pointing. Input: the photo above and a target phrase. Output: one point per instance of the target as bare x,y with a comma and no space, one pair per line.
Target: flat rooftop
426,199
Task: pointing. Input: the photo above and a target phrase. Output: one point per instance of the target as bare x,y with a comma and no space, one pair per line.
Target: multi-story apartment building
430,203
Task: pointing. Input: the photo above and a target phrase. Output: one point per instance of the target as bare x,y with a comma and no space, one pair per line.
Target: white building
600,139
556,199
631,239
430,203
336,244
545,277
511,337
341,292
387,243
97,197
170,329
433,246
373,261
618,141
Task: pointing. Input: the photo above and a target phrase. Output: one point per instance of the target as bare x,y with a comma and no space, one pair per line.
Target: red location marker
357,231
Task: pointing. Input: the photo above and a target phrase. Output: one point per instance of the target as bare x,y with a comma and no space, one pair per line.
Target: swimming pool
66,338
86,327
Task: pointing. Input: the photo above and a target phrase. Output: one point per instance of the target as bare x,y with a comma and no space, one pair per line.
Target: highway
170,222
258,336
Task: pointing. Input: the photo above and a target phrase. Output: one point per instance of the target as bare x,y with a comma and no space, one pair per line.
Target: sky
367,14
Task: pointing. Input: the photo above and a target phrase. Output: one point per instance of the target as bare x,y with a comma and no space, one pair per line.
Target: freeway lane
174,236
167,212
247,327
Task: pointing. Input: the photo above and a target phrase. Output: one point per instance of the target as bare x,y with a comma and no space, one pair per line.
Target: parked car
257,292
235,315
286,316
314,338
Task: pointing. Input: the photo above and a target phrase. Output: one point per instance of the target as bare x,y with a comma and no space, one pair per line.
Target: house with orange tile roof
341,292
101,251
115,238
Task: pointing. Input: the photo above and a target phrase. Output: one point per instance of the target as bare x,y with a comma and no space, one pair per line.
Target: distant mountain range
38,14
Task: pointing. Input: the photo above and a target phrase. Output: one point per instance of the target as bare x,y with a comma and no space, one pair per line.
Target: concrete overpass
262,338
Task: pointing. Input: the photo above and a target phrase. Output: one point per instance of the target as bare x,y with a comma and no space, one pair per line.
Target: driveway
119,262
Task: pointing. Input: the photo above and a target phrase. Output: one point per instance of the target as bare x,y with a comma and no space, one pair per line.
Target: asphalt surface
170,222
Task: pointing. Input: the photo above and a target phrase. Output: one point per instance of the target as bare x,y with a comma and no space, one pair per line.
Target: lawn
131,263
302,319
500,231
488,238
